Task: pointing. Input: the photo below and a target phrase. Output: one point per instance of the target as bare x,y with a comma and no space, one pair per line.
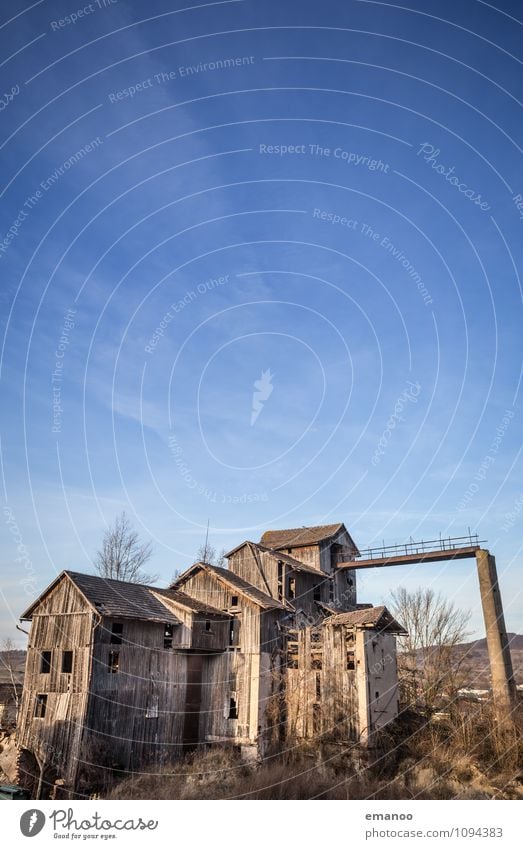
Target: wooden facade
123,677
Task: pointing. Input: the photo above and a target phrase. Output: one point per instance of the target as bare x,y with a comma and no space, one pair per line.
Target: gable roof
375,618
184,600
243,587
290,561
278,555
294,537
119,599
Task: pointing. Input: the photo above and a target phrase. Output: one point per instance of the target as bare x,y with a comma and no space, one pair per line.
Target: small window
233,708
168,635
350,660
317,593
350,582
331,589
151,711
377,695
316,719
234,633
234,601
45,662
316,663
113,662
292,655
318,687
67,661
116,633
280,580
292,588
207,625
40,705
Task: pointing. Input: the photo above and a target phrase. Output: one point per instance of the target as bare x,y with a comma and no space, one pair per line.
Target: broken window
316,719
351,663
45,661
116,633
233,707
280,580
67,661
292,588
337,553
292,655
168,635
234,601
316,662
317,593
113,661
40,705
151,711
207,625
234,633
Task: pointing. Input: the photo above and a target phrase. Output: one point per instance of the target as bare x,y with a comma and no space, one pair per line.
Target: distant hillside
14,658
476,661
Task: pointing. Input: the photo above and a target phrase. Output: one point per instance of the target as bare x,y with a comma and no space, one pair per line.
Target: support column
503,684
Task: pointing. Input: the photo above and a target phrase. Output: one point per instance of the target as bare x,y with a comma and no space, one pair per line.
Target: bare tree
206,553
8,661
122,554
428,663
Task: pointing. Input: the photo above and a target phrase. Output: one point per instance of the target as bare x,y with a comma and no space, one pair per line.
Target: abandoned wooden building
121,676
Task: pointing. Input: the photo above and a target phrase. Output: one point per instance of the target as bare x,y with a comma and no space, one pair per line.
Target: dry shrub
466,756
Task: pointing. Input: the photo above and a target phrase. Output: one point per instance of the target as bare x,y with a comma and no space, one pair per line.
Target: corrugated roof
292,537
377,618
185,600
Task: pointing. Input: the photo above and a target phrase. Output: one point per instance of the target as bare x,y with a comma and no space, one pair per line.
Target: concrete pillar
503,684
362,683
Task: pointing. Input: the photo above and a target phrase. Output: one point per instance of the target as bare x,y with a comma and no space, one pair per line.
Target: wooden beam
421,557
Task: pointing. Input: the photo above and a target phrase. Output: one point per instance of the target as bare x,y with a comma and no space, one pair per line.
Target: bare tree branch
206,553
122,555
428,667
8,657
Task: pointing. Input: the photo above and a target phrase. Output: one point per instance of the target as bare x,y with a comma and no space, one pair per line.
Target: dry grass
464,757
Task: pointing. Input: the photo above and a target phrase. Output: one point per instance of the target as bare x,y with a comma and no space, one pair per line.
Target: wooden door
193,700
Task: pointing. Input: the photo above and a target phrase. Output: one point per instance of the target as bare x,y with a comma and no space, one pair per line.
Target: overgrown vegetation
464,757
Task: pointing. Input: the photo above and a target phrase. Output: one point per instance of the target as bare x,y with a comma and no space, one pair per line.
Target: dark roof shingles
300,536
290,561
121,598
265,601
372,617
188,601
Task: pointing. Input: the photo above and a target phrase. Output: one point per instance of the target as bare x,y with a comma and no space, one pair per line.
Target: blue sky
319,199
